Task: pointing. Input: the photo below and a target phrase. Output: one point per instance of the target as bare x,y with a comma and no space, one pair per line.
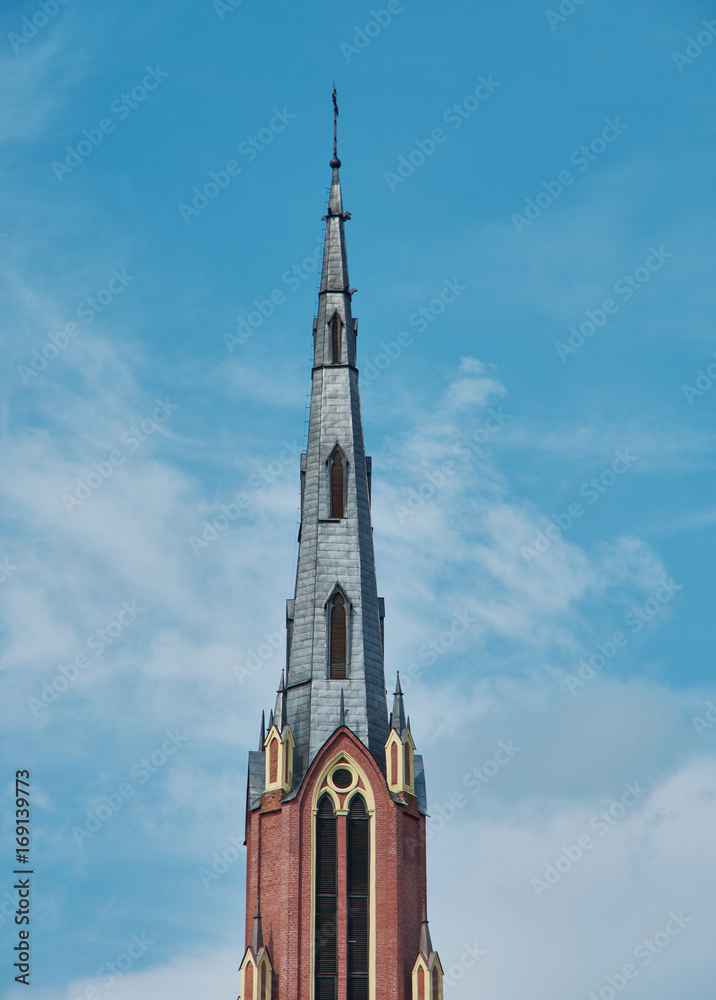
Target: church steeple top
335,658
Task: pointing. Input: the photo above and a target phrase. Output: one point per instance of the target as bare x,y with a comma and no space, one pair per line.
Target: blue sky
575,187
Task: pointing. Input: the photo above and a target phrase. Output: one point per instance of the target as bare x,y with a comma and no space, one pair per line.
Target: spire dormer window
336,340
338,638
337,468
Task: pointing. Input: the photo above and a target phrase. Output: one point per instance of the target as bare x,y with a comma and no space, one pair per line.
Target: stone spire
336,543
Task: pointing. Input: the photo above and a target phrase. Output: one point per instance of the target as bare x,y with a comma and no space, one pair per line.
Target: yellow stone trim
420,963
284,769
399,784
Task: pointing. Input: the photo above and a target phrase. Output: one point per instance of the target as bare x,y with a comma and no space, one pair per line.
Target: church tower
336,803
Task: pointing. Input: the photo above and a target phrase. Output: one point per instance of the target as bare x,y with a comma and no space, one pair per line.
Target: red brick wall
279,858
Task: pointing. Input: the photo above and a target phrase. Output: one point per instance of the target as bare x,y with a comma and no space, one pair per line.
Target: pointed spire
257,935
397,718
426,945
279,713
270,719
262,738
342,715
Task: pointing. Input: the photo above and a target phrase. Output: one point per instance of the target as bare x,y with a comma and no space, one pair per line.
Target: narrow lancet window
338,627
337,485
358,882
336,340
326,954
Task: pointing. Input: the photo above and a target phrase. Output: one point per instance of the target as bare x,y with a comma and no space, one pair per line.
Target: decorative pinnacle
279,712
262,738
426,945
257,937
397,718
335,162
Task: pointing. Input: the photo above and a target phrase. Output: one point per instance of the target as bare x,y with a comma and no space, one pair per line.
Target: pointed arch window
273,761
326,968
337,470
336,340
406,759
436,983
338,638
357,884
249,984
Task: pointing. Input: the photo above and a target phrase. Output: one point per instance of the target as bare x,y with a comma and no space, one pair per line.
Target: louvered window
336,340
394,763
407,763
273,761
436,983
263,994
326,970
358,881
338,637
337,485
421,984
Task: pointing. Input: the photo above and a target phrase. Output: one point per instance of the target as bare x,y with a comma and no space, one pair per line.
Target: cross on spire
335,162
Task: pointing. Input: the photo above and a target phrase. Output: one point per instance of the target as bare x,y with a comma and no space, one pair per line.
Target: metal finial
335,162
